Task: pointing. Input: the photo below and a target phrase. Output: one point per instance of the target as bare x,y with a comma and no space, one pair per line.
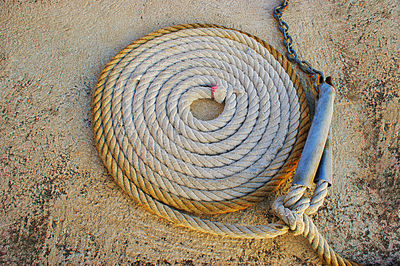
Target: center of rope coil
206,109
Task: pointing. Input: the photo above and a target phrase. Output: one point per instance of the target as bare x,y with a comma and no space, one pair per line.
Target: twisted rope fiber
174,164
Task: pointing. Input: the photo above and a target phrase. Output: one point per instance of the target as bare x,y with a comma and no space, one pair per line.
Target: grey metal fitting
317,136
324,171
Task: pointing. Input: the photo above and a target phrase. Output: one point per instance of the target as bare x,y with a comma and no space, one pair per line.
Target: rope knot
291,208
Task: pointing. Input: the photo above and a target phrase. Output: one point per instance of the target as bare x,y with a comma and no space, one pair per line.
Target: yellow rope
174,164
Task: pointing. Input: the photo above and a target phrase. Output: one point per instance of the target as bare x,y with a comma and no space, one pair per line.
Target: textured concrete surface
58,203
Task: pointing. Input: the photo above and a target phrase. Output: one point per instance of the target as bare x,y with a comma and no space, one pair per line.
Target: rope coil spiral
175,164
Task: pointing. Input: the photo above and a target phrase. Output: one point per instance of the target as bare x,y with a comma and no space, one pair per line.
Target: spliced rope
174,164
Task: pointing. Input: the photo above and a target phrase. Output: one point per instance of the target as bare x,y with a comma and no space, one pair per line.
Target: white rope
173,163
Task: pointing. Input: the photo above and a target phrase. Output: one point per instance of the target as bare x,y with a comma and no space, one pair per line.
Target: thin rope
176,165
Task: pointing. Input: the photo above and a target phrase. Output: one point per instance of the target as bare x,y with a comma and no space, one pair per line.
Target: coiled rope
174,164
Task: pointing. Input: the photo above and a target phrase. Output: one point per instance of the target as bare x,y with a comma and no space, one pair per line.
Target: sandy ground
59,204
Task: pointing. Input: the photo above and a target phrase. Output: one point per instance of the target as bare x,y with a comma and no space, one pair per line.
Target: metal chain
288,42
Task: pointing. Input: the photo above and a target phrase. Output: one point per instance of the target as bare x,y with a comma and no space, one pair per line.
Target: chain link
288,42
